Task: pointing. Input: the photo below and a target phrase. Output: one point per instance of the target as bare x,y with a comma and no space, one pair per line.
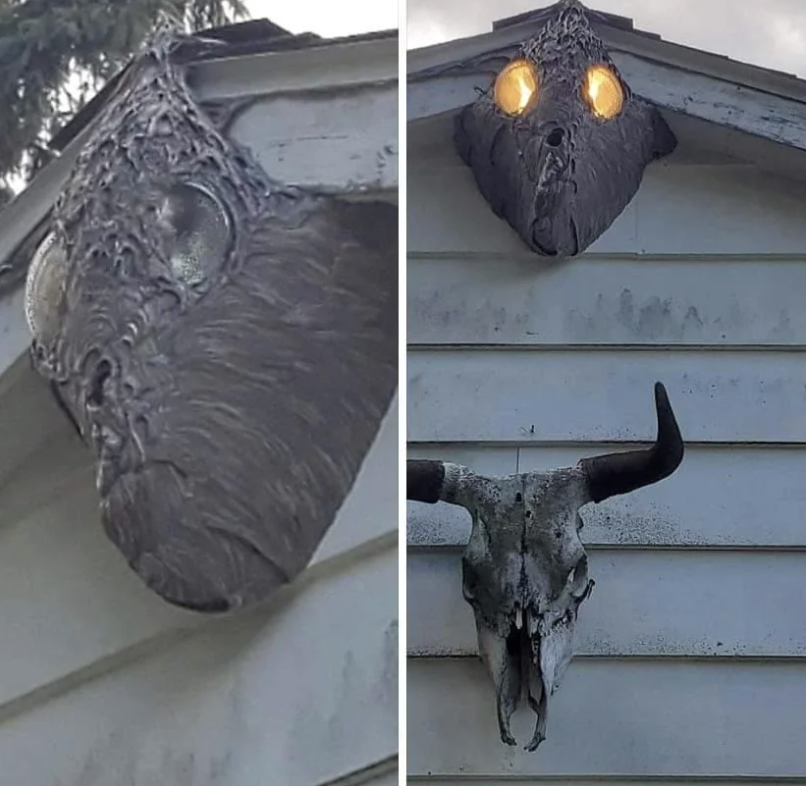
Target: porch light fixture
516,87
603,92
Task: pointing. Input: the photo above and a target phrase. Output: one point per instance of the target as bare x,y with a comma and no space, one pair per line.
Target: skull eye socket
44,288
516,88
603,92
197,230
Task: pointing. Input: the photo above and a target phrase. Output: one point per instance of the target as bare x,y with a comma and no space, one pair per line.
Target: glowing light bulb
603,92
516,87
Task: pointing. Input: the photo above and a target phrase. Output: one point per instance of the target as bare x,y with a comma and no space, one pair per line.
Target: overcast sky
770,33
328,18
774,37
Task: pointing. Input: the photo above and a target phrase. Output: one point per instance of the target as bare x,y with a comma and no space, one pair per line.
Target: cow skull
525,571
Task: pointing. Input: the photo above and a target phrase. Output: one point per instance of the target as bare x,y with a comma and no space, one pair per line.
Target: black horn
424,480
621,473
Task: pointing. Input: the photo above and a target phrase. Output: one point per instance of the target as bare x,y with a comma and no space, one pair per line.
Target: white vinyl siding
691,648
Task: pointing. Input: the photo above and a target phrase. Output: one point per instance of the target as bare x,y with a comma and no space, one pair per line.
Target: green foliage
55,54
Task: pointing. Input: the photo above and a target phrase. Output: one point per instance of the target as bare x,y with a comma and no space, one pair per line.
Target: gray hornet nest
525,571
226,345
558,143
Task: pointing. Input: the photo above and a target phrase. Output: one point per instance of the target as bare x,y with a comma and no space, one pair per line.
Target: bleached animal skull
525,571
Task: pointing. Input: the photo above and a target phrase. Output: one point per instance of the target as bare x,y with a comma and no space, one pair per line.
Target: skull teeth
525,620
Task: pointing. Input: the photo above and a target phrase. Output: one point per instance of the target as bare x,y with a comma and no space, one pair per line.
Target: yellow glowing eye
516,87
604,92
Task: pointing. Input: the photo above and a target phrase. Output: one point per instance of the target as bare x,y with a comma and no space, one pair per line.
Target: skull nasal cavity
555,138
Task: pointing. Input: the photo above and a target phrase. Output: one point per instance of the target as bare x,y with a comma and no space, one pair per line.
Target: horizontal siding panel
609,781
329,140
611,717
447,214
606,395
14,333
254,698
55,470
482,458
29,417
720,496
67,596
733,210
372,509
719,210
644,604
694,302
390,778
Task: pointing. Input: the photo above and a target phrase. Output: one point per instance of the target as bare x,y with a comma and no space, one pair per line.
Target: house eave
618,39
324,69
325,73
321,68
690,83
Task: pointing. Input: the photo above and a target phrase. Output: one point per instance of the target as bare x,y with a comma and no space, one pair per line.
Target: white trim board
745,109
687,84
